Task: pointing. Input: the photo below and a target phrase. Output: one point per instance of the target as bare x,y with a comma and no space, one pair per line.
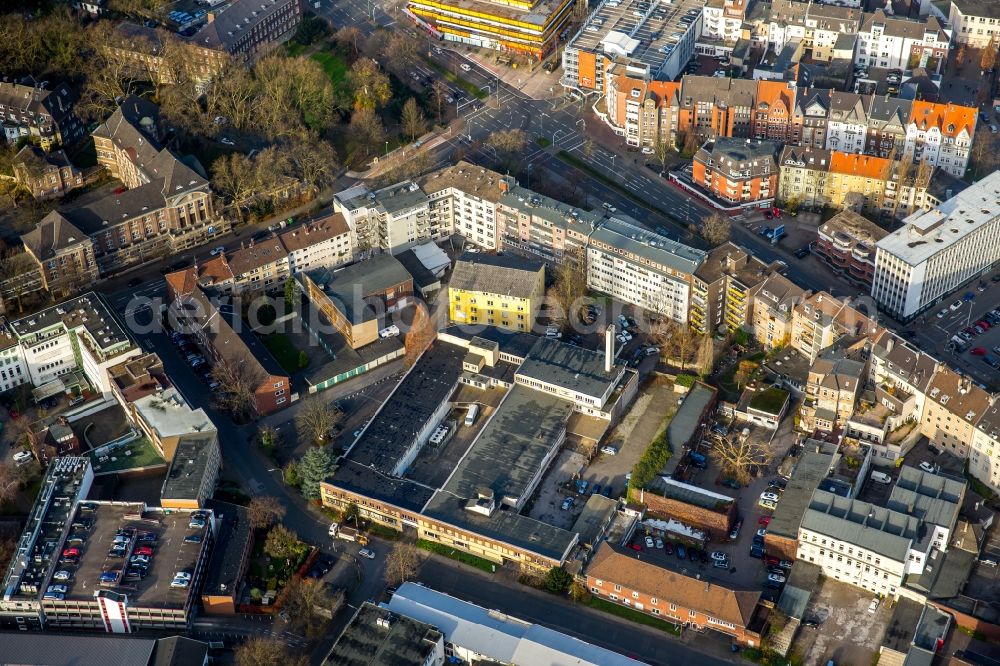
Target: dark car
134,282
693,554
809,622
681,552
803,252
669,548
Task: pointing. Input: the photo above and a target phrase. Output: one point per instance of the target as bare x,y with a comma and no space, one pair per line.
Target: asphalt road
633,640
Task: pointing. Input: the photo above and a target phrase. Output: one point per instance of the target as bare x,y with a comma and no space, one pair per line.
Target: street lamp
387,148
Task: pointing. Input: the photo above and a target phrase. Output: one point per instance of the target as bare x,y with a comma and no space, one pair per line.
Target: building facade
496,290
738,172
45,116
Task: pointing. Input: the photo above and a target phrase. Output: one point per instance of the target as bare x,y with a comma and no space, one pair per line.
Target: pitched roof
229,25
707,597
53,233
866,166
958,395
257,255
777,95
312,233
504,274
950,119
817,159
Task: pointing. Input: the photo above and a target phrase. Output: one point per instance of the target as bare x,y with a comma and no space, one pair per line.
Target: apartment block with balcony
464,199
847,243
539,225
723,288
772,309
952,409
890,42
259,266
742,173
394,218
834,383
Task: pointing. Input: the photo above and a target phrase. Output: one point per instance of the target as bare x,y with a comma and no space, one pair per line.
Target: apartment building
974,22
655,40
13,371
819,320
637,266
984,450
891,42
259,266
833,385
862,544
941,135
888,118
772,308
675,597
64,254
820,27
829,178
723,287
244,29
229,341
46,175
322,243
739,172
80,334
644,112
542,226
463,198
847,244
496,290
721,25
951,410
774,112
27,109
812,110
530,28
938,251
394,218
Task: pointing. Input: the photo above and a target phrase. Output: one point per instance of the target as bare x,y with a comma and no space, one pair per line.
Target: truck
338,531
470,416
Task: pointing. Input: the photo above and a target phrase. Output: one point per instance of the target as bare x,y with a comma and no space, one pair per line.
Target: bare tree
744,372
316,419
238,381
265,511
412,119
367,129
739,457
311,605
349,36
401,564
569,283
716,229
440,93
401,49
662,149
266,651
420,335
510,141
989,58
314,160
235,178
678,342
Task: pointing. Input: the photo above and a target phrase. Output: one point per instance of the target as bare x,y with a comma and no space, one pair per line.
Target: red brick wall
781,547
988,630
716,523
267,397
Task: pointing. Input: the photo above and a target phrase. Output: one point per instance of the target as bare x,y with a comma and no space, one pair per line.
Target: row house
45,116
774,112
890,42
259,266
46,175
772,308
644,112
833,385
818,26
823,178
737,171
974,22
941,135
669,595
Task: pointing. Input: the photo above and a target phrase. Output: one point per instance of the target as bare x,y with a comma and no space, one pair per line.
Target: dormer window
635,93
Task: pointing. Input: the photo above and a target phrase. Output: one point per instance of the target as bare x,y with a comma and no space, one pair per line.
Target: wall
717,523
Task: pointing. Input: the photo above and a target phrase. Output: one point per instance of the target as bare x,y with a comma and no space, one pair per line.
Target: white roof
925,233
619,43
432,257
496,635
170,415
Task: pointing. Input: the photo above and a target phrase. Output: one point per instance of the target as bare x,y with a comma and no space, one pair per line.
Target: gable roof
257,255
950,119
304,235
704,596
866,166
506,274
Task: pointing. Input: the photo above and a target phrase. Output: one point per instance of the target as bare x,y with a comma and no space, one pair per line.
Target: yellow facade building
496,290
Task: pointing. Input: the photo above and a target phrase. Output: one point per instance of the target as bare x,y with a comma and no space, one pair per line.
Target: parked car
71,552
928,467
62,575
144,550
771,497
776,578
364,552
659,543
609,450
873,606
197,523
719,556
735,532
681,552
192,538
649,542
668,548
566,504
180,583
764,520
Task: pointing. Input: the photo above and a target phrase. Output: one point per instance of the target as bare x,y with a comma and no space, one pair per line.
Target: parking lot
846,633
552,491
957,316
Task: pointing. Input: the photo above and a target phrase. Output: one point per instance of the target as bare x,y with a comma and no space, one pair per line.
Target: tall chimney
609,348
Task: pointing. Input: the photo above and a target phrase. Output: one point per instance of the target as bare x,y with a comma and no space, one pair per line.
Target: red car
635,546
985,325
143,550
71,552
764,520
772,561
776,212
978,351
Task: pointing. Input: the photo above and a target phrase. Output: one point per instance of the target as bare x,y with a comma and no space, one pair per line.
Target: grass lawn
334,65
283,351
770,401
633,615
459,555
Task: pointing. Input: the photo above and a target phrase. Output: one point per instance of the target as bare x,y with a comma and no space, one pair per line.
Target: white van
881,477
470,416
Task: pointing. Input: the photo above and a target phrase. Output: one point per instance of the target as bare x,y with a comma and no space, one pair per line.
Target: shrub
558,580
687,381
651,462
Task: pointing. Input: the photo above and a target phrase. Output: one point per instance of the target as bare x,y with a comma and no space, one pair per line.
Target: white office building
939,250
641,267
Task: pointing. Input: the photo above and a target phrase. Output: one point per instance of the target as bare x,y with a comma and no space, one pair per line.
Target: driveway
847,633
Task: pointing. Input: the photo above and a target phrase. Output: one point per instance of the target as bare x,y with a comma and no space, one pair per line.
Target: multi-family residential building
721,25
887,121
463,199
833,386
81,334
774,112
823,178
259,266
531,28
45,175
984,450
739,172
644,112
46,116
847,244
13,371
953,406
812,111
542,226
819,320
496,290
974,22
772,309
322,243
723,287
817,25
246,28
891,42
394,218
228,341
655,41
643,268
675,597
941,135
939,250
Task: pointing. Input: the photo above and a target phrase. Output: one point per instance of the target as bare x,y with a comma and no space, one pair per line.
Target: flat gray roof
29,647
348,286
514,343
685,422
224,568
649,245
812,467
570,367
190,466
378,637
883,531
88,310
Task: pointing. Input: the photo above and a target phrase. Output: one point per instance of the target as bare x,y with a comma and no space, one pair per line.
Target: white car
180,583
873,606
466,67
940,315
22,457
364,552
659,543
719,556
770,497
228,142
928,467
61,589
956,305
776,578
609,450
649,542
217,251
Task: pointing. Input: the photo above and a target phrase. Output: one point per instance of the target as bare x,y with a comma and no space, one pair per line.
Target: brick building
45,175
46,116
741,172
669,595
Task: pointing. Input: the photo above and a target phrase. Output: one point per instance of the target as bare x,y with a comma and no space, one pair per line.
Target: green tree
558,580
315,466
303,359
414,123
289,294
291,475
281,543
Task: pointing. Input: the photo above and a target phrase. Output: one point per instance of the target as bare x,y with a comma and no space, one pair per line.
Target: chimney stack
609,348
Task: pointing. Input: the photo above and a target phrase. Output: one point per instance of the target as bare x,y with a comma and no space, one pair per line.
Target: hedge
652,461
687,381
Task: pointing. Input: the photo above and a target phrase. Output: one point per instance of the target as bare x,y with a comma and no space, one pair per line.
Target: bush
651,462
558,580
455,554
687,381
303,359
